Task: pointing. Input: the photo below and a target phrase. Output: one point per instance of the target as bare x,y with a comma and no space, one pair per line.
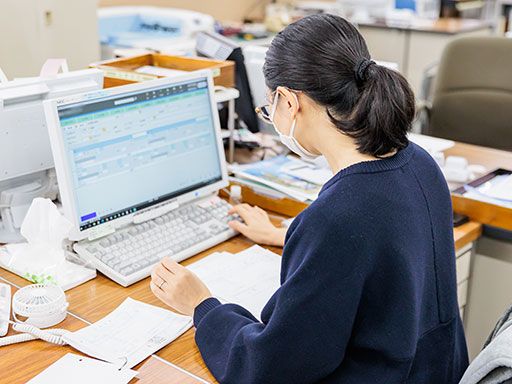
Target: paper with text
129,334
248,278
77,369
159,71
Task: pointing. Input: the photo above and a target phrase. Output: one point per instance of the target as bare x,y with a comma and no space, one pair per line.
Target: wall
34,30
235,10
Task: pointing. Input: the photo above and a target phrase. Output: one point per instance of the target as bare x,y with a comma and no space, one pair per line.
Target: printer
140,28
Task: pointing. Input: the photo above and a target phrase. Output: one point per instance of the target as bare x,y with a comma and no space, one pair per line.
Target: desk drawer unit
463,264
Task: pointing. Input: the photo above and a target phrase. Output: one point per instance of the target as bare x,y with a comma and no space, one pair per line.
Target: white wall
33,30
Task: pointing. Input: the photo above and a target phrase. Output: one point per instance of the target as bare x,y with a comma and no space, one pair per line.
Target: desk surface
488,157
481,212
95,299
448,26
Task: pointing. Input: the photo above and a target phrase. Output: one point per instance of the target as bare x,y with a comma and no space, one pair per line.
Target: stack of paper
287,174
303,180
431,144
248,278
159,71
496,191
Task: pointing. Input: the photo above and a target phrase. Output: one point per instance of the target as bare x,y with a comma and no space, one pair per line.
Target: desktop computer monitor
124,151
218,47
25,155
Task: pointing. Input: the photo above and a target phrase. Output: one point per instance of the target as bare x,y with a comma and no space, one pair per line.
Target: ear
291,100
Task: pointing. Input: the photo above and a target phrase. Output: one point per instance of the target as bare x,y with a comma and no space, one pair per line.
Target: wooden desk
488,157
481,212
96,298
21,362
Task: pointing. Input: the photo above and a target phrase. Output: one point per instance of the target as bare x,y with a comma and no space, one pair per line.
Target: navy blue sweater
368,290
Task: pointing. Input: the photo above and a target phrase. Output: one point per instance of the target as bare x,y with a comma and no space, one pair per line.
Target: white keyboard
129,254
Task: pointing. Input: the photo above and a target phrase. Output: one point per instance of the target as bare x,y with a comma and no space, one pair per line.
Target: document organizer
123,71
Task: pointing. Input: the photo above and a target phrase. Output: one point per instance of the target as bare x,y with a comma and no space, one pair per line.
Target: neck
339,150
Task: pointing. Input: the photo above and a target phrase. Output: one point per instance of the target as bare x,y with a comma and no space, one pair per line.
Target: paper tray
484,212
123,71
481,180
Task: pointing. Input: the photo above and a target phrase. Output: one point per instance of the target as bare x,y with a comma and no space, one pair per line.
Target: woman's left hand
178,287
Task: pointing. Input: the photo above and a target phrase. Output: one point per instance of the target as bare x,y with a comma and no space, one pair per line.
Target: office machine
33,307
139,168
158,29
361,11
254,60
424,9
25,155
308,7
218,47
393,11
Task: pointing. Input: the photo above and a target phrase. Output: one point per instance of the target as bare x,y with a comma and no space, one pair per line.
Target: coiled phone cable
30,332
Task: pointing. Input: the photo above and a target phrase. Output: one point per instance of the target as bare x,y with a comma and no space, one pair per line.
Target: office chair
472,99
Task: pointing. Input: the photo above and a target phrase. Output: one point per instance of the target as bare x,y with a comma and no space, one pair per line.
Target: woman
368,288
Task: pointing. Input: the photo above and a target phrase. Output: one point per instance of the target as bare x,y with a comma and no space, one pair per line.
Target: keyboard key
126,270
105,243
140,246
136,266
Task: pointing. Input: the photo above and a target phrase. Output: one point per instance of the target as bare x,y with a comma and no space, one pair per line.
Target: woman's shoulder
370,198
330,213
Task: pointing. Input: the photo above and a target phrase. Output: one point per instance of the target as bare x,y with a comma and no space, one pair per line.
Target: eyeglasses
264,113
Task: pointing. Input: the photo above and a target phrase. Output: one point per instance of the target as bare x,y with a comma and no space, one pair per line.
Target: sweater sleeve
307,323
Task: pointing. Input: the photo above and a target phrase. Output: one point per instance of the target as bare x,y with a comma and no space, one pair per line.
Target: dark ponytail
326,57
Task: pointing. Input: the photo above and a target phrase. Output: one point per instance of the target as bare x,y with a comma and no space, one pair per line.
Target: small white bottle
235,194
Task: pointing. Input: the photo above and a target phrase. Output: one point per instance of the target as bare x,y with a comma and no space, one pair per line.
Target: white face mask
289,140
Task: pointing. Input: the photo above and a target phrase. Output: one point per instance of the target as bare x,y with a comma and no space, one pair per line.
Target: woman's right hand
257,225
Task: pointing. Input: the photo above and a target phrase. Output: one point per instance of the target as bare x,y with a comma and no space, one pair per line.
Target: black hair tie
361,70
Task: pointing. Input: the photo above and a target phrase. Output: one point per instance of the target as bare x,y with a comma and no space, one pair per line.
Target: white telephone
41,305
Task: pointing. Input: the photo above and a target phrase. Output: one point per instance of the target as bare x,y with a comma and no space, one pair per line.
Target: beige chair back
472,99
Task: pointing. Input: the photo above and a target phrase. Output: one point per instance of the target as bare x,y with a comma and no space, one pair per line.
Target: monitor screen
131,151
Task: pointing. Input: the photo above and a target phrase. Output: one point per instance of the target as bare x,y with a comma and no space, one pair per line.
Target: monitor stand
16,196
